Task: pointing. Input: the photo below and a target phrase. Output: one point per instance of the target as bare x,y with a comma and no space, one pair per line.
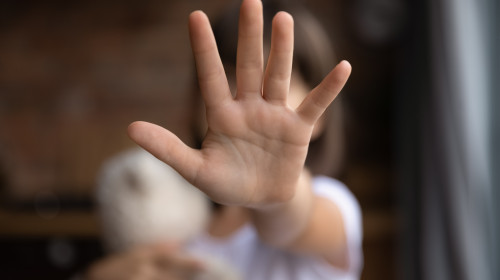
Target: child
276,220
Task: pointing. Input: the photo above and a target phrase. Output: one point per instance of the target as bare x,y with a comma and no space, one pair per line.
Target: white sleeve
350,210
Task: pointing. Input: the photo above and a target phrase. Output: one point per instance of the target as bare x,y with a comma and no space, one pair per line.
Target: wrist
281,223
298,193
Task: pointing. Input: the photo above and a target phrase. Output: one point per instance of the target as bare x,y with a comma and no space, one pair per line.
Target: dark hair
313,59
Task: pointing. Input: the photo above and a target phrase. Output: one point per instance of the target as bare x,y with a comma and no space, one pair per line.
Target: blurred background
421,124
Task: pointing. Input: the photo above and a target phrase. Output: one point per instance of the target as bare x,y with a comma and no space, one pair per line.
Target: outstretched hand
256,145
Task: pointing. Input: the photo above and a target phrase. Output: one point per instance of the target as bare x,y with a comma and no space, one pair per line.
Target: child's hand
147,262
256,145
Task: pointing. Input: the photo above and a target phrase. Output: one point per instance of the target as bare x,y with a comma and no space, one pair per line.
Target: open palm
256,145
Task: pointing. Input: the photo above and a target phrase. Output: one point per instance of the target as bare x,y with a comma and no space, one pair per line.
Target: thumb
167,147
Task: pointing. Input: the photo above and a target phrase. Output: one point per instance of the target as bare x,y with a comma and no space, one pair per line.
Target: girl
275,220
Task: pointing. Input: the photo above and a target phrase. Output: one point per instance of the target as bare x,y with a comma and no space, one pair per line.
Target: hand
256,145
152,262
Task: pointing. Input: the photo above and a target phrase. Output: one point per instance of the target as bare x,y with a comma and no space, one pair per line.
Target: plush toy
142,200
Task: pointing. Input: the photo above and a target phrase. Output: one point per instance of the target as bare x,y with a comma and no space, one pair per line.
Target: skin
255,146
252,158
148,262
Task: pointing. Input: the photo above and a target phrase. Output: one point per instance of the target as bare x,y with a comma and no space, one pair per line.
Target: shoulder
335,190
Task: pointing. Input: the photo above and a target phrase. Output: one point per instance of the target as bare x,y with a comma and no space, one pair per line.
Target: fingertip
345,62
345,66
142,132
283,16
196,18
197,15
283,22
339,75
133,129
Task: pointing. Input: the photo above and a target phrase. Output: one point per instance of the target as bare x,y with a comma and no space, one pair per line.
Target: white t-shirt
254,260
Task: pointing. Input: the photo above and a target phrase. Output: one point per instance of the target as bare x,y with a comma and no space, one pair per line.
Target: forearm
307,223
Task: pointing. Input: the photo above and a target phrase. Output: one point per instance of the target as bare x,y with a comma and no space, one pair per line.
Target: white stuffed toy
141,200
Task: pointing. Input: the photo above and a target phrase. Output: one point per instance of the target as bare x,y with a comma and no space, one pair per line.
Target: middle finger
249,60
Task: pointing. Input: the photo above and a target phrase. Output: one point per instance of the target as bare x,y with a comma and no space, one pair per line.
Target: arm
307,223
254,151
